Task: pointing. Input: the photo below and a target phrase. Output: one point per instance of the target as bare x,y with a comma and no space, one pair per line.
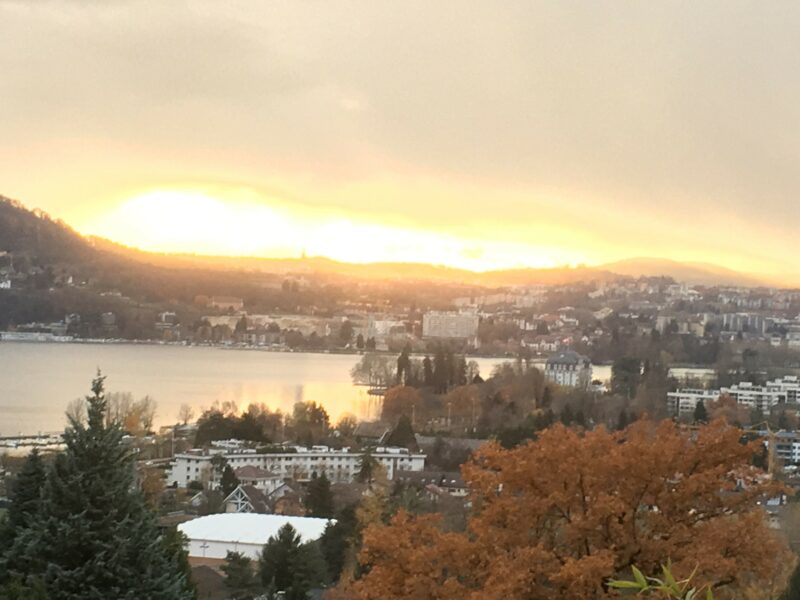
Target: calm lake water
37,380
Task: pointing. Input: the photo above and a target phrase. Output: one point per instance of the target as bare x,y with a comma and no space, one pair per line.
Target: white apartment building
785,390
752,322
296,463
382,327
450,325
568,368
788,388
787,447
754,396
684,401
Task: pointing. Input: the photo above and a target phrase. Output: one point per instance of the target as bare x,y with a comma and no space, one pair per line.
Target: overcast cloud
659,124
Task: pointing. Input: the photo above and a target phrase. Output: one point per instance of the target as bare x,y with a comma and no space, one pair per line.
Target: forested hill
47,252
48,242
54,271
35,234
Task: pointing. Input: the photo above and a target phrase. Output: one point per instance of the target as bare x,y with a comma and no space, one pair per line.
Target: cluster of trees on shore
308,424
445,370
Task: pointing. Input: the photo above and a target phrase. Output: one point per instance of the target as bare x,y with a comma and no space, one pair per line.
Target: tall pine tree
25,500
700,413
319,498
229,481
403,434
27,491
290,566
92,536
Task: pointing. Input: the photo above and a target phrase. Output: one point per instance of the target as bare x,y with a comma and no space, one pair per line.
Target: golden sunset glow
184,221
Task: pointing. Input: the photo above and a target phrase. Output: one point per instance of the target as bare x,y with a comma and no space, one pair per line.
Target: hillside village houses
287,463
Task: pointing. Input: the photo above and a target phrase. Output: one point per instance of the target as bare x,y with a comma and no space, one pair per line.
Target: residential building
450,325
246,499
787,447
296,463
684,401
568,368
788,388
383,327
226,303
372,431
777,392
261,479
741,322
450,482
755,396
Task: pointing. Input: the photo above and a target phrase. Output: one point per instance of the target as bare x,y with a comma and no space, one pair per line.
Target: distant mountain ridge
53,241
696,273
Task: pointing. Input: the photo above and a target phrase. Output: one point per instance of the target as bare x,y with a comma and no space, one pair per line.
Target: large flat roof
250,528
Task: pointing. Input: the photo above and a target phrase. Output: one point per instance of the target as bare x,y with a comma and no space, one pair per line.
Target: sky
474,134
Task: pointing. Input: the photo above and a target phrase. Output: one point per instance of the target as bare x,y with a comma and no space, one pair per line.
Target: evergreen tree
700,413
218,464
346,333
441,374
319,499
623,420
626,374
240,578
783,421
404,365
566,416
337,542
286,565
403,434
229,481
547,397
427,371
175,542
366,468
27,491
241,325
461,371
92,537
25,500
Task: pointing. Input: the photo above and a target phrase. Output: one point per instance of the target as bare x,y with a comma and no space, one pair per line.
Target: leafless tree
185,414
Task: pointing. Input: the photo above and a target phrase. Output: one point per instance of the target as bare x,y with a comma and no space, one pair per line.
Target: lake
37,380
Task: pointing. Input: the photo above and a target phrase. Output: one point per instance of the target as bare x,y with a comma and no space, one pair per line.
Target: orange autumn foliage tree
558,517
398,401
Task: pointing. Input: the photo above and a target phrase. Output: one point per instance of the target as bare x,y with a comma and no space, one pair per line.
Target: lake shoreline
118,342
